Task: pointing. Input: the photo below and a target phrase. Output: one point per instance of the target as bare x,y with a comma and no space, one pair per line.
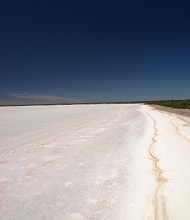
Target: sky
94,51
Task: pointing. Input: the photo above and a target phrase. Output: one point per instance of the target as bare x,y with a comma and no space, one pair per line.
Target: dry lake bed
94,162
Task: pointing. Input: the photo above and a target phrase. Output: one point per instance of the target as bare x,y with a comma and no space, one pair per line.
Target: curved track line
184,120
178,132
157,200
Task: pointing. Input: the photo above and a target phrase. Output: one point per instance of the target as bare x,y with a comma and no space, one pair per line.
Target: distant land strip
179,104
176,104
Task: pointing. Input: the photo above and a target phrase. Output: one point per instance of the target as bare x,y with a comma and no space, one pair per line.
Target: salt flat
92,162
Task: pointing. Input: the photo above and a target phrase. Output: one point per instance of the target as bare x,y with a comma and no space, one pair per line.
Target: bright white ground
95,162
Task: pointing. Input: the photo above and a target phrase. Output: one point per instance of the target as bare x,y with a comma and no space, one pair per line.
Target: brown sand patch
184,112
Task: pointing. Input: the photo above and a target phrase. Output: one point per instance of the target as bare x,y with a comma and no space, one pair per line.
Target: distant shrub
183,104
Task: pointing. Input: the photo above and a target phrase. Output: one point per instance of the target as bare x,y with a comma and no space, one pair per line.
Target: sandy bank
185,112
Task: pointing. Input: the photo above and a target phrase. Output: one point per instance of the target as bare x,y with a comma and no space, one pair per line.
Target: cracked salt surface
107,162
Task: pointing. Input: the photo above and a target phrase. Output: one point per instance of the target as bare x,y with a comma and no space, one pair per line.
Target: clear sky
94,50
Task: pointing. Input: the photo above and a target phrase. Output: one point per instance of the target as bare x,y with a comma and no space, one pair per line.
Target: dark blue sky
95,50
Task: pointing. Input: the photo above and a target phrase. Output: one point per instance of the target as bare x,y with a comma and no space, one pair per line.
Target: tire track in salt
187,123
177,130
157,201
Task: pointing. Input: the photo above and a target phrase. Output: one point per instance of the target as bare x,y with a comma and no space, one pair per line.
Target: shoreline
184,112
